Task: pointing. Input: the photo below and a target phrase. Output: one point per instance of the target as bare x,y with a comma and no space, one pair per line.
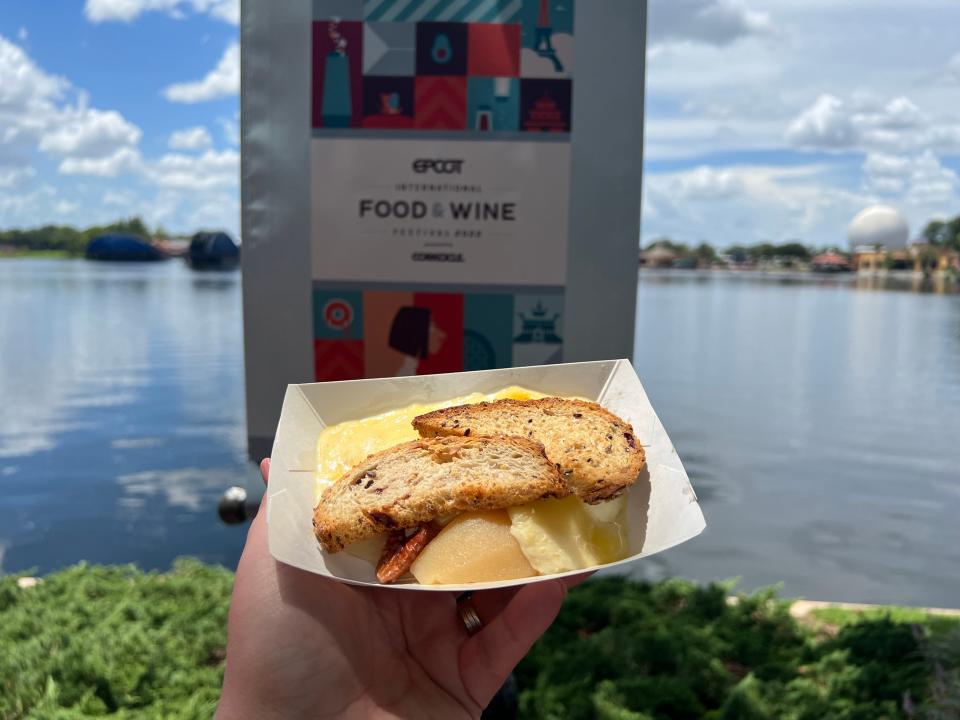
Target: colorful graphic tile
545,105
493,104
338,360
443,10
337,315
441,49
445,338
538,319
337,74
441,103
538,330
547,38
493,50
487,334
388,102
412,334
389,48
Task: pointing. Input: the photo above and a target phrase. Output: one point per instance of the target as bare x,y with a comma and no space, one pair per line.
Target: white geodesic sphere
879,226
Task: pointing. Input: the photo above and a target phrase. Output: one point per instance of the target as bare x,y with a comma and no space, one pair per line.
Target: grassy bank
19,253
113,641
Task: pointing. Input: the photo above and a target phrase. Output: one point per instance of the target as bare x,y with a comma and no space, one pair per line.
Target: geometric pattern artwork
388,102
493,104
441,103
389,49
488,331
338,360
372,333
491,66
494,50
441,49
545,105
547,39
489,11
337,74
337,315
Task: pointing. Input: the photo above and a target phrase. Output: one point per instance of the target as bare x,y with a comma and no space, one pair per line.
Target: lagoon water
820,424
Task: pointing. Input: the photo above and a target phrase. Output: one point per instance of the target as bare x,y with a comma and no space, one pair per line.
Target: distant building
878,240
829,262
658,257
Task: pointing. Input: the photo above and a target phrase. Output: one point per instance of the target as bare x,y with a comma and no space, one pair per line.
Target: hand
300,645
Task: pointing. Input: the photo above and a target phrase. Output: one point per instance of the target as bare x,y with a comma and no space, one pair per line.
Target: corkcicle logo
441,167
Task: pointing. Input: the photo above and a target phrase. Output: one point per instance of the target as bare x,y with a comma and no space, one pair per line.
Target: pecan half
400,552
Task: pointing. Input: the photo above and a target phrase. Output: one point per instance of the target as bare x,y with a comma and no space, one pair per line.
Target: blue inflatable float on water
129,248
213,251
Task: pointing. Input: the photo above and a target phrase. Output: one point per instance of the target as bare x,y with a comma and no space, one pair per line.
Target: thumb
487,658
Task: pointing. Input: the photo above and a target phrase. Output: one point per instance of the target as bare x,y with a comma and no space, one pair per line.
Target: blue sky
89,105
766,120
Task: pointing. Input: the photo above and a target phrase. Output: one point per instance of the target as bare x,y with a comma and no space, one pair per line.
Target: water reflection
122,418
818,425
817,419
938,284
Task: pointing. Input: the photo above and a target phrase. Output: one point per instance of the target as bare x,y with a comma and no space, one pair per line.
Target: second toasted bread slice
596,452
419,481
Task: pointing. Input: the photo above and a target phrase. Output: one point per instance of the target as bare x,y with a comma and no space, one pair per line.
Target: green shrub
92,641
95,641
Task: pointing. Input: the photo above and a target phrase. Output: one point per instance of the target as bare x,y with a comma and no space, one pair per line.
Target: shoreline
800,609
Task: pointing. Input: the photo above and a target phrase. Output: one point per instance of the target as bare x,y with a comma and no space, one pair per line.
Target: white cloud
211,170
194,138
886,174
747,205
222,81
953,67
227,10
12,177
119,198
22,34
83,132
931,184
714,22
706,183
65,207
33,115
867,123
825,124
128,10
28,96
122,161
231,129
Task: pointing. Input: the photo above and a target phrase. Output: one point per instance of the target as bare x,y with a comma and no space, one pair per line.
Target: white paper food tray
662,508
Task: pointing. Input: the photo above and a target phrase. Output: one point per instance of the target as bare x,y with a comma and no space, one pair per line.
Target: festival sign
440,155
436,186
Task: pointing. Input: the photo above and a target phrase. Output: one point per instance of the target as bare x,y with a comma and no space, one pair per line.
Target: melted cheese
561,535
555,535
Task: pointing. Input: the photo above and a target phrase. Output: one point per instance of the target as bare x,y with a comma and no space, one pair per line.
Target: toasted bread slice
419,481
596,452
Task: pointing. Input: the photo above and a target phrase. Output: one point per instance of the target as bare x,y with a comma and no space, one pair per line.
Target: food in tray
479,488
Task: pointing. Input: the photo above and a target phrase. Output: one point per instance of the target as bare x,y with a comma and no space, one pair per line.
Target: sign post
435,186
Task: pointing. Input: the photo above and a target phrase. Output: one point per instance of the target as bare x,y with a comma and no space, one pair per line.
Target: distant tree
66,238
669,244
936,232
763,251
705,254
943,233
738,253
795,250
